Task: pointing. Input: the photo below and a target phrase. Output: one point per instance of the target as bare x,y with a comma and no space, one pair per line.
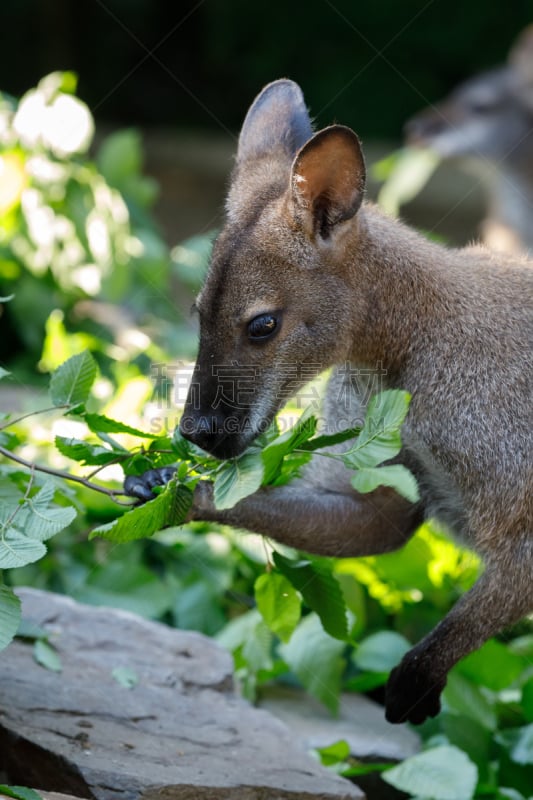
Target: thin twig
11,422
112,493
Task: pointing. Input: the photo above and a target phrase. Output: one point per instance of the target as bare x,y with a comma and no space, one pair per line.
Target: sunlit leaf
71,383
279,603
334,753
320,589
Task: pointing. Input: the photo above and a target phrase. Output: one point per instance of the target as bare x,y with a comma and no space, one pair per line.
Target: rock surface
360,722
180,733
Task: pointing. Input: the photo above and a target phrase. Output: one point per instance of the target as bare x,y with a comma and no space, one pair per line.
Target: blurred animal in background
488,122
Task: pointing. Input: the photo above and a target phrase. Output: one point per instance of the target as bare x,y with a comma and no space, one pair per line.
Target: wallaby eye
262,327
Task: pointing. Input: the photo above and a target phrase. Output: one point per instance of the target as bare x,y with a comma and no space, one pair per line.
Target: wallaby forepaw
140,486
412,695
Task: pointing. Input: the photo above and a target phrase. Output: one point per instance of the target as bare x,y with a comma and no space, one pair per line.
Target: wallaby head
274,311
489,116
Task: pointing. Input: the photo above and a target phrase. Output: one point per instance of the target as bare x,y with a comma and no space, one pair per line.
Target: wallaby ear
277,119
328,180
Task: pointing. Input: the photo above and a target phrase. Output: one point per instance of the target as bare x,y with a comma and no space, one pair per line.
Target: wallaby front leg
319,521
500,597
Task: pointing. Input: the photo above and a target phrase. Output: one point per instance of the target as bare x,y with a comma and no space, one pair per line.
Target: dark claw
140,486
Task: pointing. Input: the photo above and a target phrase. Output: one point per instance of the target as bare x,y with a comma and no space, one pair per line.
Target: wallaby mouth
222,436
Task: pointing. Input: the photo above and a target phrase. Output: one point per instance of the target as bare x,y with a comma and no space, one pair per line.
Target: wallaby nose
419,130
201,429
218,434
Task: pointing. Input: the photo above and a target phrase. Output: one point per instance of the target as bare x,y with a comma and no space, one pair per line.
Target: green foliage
442,773
19,792
279,603
317,660
74,230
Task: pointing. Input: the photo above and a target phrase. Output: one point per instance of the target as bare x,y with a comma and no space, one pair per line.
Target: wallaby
304,273
488,122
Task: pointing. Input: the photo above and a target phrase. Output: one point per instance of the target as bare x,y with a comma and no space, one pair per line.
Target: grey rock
360,722
180,734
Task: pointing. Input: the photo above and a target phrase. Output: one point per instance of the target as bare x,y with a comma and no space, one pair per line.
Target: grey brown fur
452,327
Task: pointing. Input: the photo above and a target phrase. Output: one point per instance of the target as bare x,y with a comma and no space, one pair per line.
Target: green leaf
316,660
320,589
279,603
98,423
326,440
493,666
527,700
334,753
522,750
17,551
43,521
28,629
381,651
463,697
238,479
396,476
3,373
9,615
238,630
20,792
380,438
442,773
408,171
86,453
168,508
126,677
469,736
274,453
181,446
257,649
46,655
120,156
71,383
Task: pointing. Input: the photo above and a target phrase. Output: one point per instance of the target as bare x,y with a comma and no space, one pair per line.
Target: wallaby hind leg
501,596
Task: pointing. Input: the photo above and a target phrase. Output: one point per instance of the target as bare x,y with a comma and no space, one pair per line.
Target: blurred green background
198,64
